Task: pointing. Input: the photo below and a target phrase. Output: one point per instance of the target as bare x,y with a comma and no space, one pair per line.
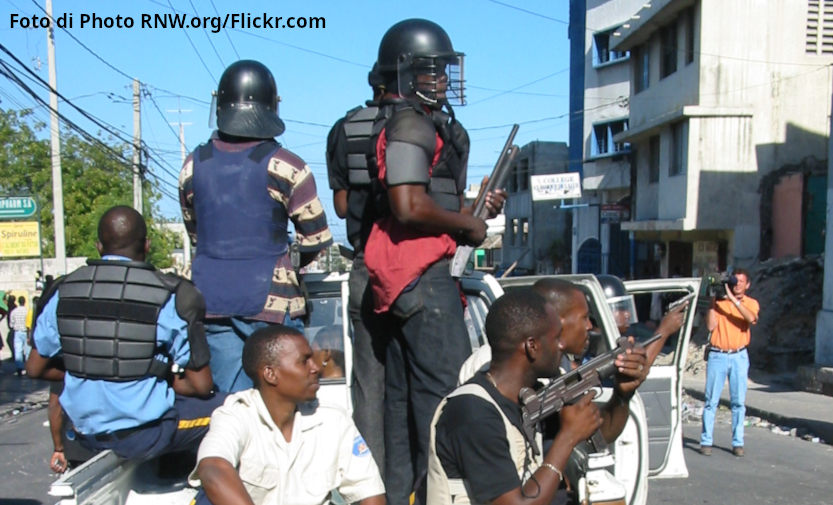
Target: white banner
556,186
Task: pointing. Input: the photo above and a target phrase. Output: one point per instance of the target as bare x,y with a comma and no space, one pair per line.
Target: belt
727,351
121,434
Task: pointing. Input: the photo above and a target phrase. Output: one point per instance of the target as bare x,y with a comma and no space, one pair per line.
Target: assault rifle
571,386
496,179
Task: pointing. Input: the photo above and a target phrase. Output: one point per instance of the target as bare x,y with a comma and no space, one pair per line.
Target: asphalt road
25,446
777,469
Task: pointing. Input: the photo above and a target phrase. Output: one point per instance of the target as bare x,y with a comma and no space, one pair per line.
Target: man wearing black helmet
348,145
419,161
238,191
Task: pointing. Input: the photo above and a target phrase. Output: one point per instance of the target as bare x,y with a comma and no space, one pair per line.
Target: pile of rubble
789,291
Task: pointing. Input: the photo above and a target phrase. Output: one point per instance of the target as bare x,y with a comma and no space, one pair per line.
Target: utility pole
137,147
186,244
55,140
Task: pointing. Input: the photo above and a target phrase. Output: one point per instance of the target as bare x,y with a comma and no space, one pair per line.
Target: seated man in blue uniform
137,379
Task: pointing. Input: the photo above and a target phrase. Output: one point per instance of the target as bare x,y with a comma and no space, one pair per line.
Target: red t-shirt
396,254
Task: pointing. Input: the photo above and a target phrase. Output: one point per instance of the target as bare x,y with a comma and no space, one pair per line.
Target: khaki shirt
326,453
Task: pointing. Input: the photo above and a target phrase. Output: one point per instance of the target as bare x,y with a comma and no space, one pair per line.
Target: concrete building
600,82
727,100
537,234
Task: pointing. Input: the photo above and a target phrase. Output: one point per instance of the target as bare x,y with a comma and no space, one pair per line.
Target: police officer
125,331
238,192
348,146
420,164
623,306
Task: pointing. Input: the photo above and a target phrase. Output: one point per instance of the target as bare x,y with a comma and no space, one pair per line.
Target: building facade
537,234
723,94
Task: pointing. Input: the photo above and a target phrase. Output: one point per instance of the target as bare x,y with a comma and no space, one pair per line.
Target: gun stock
496,180
571,386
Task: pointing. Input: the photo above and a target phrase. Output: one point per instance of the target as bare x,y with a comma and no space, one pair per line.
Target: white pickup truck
650,446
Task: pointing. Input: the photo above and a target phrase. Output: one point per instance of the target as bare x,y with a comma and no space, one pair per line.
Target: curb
816,428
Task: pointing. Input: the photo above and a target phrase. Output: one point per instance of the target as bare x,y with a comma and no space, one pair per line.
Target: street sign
17,207
556,186
19,239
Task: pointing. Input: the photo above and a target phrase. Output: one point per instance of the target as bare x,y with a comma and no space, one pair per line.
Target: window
678,148
689,36
603,54
524,231
653,161
819,29
642,69
523,174
603,133
668,49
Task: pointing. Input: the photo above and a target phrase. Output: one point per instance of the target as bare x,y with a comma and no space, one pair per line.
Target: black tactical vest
448,175
358,129
107,313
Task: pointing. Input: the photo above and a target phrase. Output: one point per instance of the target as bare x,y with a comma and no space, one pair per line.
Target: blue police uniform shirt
100,406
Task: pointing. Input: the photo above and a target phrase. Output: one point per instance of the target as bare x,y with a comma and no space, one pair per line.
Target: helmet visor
624,310
251,120
436,80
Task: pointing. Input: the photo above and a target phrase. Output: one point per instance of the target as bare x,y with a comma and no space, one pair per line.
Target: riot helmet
247,101
416,58
621,303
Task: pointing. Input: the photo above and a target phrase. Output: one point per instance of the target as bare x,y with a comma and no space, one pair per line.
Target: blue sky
516,69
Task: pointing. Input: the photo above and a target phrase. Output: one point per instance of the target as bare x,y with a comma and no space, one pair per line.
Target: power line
225,31
521,86
87,48
537,14
207,36
194,47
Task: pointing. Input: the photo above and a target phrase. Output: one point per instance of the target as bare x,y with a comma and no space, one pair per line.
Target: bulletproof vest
358,128
443,490
107,314
241,229
448,174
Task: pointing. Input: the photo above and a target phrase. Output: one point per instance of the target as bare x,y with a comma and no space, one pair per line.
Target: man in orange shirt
729,320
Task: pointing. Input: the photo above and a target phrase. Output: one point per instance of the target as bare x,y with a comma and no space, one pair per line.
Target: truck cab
650,446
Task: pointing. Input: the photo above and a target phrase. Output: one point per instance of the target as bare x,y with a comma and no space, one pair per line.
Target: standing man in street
348,149
729,321
137,379
421,154
17,323
238,191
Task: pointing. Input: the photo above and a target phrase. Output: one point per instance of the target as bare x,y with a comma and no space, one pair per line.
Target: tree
95,178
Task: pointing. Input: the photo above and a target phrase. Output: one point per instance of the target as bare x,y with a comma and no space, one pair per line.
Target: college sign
17,207
556,186
19,239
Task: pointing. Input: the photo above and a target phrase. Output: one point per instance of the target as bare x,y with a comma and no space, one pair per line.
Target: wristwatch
737,303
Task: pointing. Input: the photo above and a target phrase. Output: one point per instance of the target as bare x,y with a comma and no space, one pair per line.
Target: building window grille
653,160
668,48
603,134
603,53
678,148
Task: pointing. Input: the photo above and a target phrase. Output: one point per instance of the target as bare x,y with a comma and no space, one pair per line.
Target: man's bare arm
222,484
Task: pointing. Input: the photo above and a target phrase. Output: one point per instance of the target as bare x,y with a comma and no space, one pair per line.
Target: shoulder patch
360,447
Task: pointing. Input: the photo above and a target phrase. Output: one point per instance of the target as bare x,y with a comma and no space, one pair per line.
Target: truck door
661,392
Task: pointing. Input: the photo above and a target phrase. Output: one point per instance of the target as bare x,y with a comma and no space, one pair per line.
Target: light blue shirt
100,406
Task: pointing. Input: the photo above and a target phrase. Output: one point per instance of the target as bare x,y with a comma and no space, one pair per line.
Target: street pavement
776,400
